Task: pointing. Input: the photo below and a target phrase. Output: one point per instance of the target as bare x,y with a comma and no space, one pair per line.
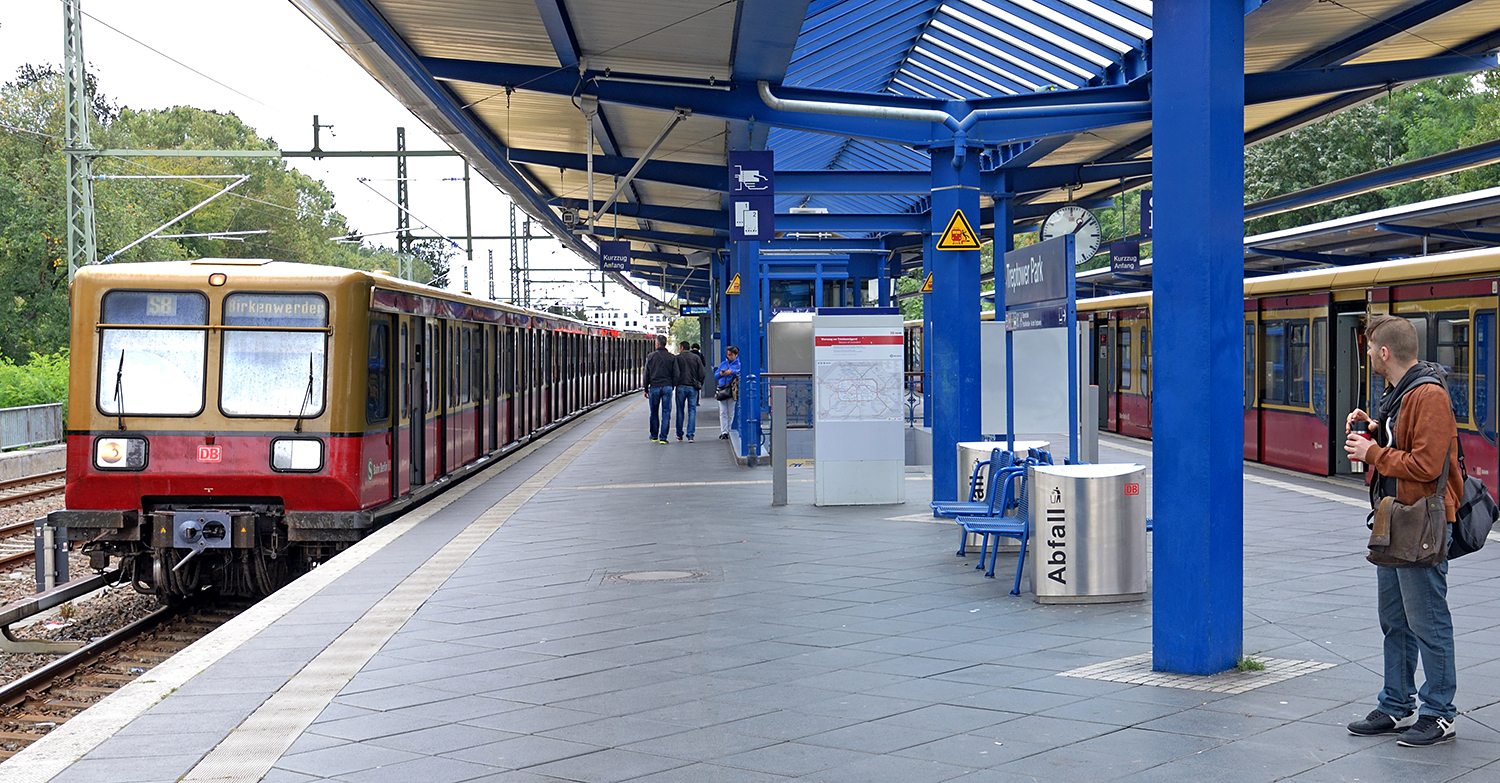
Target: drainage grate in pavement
1137,670
638,577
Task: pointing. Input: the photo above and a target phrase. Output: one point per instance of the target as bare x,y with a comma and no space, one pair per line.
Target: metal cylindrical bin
1088,533
973,452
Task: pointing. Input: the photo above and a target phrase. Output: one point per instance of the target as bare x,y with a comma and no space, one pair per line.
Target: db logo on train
1132,489
210,453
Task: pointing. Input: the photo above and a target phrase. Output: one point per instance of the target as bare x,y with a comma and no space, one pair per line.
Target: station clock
1079,222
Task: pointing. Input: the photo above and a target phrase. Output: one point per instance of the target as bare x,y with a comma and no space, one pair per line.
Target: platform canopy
1062,86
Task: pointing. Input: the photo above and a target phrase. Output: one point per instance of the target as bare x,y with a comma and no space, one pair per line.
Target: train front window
149,364
272,368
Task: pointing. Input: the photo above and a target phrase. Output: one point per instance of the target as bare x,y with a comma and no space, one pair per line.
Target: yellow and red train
1304,366
233,422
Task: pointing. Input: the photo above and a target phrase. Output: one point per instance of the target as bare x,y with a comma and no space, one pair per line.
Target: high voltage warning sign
734,285
958,235
927,285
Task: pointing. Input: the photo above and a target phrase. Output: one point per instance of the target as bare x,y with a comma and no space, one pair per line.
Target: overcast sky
278,70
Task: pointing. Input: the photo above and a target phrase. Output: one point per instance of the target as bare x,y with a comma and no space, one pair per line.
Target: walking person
690,376
661,381
1413,429
728,377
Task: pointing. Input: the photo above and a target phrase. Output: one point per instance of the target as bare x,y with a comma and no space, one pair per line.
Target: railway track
16,544
39,701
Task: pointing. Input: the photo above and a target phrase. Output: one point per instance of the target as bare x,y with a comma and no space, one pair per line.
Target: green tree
686,329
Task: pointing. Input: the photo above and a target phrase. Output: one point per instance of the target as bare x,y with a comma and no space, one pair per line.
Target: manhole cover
656,576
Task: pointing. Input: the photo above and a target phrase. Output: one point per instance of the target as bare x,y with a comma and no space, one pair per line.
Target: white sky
269,51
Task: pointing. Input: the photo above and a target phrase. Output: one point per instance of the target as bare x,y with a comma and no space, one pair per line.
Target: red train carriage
233,422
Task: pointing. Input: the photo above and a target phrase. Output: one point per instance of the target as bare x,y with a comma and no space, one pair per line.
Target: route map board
859,407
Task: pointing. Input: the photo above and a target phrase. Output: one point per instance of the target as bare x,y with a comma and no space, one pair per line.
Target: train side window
1484,367
1297,362
1453,355
1419,322
1273,362
1123,354
1320,366
1249,391
429,400
152,372
1146,360
405,378
465,366
378,379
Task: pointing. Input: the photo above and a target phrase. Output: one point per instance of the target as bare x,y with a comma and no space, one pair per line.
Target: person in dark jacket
690,376
661,381
1413,429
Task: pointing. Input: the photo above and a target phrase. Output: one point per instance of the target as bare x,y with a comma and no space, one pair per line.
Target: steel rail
15,692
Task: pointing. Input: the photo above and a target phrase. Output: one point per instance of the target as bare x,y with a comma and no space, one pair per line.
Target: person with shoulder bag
1410,444
728,377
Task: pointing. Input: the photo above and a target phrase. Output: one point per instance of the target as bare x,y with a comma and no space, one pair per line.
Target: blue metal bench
1001,525
999,461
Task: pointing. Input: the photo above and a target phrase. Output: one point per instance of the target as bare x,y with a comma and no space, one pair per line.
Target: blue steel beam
851,223
691,175
1197,422
1284,85
708,242
682,216
560,31
1379,32
1483,238
832,245
1328,259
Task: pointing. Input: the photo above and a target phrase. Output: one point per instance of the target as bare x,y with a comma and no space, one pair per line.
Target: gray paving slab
837,644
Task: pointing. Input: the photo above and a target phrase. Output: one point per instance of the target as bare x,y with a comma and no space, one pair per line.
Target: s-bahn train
233,422
1305,365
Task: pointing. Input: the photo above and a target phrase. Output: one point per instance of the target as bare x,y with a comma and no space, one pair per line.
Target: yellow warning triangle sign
734,285
959,235
927,286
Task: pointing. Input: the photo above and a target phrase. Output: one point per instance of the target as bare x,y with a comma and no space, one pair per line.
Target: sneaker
723,436
679,437
690,439
1428,730
1377,723
663,441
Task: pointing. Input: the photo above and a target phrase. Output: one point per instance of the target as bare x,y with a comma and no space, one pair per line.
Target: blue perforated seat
1016,486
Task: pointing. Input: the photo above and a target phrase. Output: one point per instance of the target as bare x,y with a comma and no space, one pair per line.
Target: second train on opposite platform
1304,364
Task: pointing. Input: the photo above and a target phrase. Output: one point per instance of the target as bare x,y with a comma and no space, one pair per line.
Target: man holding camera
1405,443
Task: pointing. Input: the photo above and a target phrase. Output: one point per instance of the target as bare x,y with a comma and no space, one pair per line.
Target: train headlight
120,453
298,454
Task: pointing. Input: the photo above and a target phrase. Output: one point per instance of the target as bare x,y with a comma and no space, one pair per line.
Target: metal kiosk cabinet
1088,535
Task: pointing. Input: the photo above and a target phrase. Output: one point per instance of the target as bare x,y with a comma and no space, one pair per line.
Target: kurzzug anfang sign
1038,273
615,255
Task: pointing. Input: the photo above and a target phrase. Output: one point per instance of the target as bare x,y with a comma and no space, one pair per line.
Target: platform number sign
210,453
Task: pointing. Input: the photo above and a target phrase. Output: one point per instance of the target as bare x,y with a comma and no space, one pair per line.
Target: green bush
42,380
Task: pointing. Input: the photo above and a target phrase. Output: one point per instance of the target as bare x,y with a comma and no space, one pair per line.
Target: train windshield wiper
306,398
120,390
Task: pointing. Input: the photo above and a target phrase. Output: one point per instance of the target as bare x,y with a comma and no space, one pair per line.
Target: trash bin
1088,533
973,452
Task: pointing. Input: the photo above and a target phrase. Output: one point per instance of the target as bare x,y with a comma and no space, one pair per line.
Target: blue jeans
661,411
687,410
1414,618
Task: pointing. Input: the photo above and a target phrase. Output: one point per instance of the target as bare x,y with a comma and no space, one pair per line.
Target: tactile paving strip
1136,670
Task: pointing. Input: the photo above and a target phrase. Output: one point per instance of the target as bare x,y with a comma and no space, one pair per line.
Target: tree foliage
297,212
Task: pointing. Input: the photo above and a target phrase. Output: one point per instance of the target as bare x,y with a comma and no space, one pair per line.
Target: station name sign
1038,273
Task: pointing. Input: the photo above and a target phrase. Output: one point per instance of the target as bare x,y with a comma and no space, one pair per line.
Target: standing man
690,376
661,380
728,375
1413,430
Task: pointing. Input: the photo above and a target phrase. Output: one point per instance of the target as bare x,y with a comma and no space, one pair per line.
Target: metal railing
914,405
799,399
31,425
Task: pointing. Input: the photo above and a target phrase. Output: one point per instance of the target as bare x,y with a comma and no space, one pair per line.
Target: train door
401,467
379,391
492,386
1251,392
1295,425
1348,378
432,372
1479,463
1123,354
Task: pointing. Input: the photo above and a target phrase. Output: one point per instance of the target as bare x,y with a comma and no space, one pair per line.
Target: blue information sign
1036,318
616,255
752,191
1148,215
1124,256
695,309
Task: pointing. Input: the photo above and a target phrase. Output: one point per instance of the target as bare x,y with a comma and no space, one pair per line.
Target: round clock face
1079,222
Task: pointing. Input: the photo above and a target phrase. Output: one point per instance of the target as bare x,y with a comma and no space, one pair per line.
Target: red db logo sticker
1132,489
215,454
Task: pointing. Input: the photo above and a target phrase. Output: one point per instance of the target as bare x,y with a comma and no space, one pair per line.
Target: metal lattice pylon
82,247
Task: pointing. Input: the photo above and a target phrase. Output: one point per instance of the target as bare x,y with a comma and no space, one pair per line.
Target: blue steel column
1198,140
952,309
725,312
883,272
747,330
